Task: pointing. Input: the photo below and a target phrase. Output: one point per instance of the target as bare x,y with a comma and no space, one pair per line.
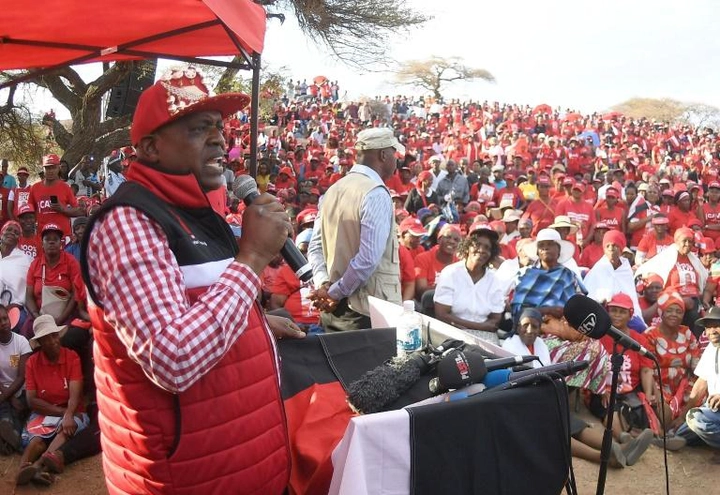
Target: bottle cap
409,305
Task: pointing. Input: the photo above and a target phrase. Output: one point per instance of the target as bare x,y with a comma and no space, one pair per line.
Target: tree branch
109,79
60,91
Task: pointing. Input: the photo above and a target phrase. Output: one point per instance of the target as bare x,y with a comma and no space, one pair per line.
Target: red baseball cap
287,171
543,181
23,170
179,92
568,181
50,160
412,225
315,191
485,228
51,227
308,215
612,193
26,208
714,185
579,186
621,300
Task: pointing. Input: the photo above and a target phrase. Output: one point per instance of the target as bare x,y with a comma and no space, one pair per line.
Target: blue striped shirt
376,213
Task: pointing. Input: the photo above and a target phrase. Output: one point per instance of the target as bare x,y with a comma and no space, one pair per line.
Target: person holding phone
52,199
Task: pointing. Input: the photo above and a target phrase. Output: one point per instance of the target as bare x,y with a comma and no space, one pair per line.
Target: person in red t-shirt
429,264
652,286
52,268
29,241
681,214
53,200
593,251
611,214
19,195
54,386
654,241
636,372
709,212
580,213
541,210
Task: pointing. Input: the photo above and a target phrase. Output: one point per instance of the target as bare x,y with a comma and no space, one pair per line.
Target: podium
505,442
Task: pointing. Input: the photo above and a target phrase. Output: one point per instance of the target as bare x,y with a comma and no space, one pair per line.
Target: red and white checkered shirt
139,283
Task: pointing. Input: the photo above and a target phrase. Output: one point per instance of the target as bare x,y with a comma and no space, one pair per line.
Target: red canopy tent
43,36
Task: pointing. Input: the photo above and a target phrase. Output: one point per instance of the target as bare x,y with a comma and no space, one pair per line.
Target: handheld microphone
380,387
588,317
245,188
505,379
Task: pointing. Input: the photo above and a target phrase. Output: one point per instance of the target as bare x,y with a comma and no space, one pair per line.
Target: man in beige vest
354,246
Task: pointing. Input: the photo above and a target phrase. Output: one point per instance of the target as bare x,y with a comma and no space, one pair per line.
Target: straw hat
564,221
566,248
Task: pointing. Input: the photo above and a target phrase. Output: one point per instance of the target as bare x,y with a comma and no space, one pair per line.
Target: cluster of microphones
463,370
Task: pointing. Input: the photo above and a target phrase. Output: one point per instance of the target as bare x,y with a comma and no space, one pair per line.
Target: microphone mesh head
243,186
587,316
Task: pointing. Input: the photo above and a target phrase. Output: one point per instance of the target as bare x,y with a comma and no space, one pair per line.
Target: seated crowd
504,212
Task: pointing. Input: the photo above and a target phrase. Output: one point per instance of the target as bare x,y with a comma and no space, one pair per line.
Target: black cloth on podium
504,442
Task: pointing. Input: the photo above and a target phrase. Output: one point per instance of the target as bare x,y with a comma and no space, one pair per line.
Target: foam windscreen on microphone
587,316
460,368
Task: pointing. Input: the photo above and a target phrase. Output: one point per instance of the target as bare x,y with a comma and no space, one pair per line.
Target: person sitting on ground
703,422
467,295
678,352
635,378
54,385
14,352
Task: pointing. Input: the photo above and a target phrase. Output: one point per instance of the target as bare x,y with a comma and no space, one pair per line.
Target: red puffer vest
226,434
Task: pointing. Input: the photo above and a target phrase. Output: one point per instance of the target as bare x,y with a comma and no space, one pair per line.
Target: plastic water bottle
409,336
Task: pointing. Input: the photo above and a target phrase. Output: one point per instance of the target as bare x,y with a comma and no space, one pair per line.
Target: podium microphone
588,317
380,387
245,188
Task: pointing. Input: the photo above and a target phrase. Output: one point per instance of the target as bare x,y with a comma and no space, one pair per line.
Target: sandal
26,474
52,462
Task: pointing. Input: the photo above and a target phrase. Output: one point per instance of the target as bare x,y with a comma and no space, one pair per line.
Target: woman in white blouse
467,294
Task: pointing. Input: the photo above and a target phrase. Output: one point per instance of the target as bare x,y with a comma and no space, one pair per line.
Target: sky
582,55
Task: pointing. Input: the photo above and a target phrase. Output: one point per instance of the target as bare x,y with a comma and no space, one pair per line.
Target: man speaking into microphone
186,366
354,247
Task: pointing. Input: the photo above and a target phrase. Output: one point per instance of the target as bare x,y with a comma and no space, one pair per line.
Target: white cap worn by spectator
378,139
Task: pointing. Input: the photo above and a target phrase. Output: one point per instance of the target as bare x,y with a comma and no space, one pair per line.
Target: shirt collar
368,172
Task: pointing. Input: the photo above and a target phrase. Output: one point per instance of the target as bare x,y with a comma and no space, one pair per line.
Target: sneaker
635,448
672,442
9,436
617,456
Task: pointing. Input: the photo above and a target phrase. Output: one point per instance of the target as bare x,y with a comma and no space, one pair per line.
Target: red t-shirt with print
40,200
427,266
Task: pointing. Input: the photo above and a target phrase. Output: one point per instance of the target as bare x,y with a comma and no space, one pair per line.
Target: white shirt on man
708,367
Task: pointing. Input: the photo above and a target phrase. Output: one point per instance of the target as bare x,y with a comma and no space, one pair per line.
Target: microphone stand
617,361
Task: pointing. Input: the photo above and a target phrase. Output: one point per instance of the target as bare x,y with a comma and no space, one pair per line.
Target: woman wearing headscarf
467,295
682,213
612,274
682,271
422,194
678,352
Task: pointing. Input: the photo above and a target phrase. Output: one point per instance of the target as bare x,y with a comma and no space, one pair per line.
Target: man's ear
147,149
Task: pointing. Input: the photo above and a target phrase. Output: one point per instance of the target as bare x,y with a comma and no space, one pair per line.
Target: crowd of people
489,216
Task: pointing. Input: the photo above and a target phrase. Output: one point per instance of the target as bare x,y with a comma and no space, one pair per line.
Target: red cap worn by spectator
23,171
621,300
424,175
614,237
568,181
612,193
413,226
714,185
308,215
707,245
50,160
484,228
287,171
579,186
26,208
178,92
315,191
51,227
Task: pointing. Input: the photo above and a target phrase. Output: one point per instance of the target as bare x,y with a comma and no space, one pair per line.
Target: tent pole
254,111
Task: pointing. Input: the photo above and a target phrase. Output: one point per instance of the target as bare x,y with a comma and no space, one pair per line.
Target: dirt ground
690,474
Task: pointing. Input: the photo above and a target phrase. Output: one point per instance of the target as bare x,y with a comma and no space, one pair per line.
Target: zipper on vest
178,426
